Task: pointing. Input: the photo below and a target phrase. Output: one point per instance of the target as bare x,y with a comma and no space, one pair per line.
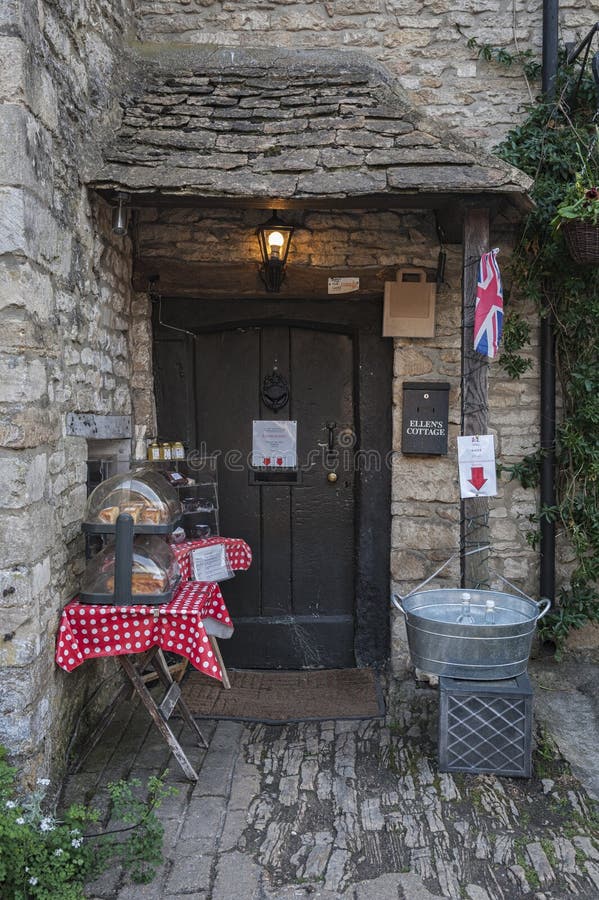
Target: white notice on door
274,444
476,460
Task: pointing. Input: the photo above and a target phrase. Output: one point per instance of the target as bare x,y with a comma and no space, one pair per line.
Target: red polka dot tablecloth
238,553
89,631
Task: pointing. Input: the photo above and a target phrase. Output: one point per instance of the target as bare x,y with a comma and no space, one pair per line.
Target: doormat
276,697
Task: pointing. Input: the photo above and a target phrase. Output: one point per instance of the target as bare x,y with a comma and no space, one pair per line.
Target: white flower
20,821
10,804
44,781
33,880
76,842
59,851
75,831
47,824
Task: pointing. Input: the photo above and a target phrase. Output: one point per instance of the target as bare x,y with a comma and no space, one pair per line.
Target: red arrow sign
477,477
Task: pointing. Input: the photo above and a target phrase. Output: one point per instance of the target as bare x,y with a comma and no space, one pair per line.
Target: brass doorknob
332,477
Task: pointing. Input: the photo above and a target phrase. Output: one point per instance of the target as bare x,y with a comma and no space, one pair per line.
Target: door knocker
275,390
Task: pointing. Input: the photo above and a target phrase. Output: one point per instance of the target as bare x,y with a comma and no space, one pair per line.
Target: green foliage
527,471
516,335
580,203
525,58
557,145
45,858
142,851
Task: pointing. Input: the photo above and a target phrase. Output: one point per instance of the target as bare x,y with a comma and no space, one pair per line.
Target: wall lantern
275,239
119,214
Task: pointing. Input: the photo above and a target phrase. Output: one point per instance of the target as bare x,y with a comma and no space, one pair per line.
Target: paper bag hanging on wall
409,308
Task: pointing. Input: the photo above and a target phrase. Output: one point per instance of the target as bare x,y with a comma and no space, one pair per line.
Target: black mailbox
425,415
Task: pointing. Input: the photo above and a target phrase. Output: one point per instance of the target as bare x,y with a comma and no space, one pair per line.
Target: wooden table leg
160,720
162,669
217,653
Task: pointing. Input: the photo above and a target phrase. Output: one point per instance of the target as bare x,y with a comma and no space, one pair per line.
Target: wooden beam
475,373
210,281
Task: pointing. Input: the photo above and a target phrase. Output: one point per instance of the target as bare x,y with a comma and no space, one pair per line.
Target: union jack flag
488,312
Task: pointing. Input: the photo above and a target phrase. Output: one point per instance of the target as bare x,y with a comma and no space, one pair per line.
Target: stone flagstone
373,820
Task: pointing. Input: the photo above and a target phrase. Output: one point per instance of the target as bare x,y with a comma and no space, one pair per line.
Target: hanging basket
582,239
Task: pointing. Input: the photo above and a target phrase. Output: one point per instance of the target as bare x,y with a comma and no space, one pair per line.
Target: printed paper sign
274,444
210,563
343,285
476,460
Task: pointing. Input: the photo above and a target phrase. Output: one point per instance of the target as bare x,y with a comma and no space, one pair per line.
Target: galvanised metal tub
439,645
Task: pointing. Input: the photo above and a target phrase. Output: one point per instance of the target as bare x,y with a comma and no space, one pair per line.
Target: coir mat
275,697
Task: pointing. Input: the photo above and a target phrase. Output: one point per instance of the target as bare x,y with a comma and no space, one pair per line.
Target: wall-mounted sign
274,444
425,417
343,285
476,460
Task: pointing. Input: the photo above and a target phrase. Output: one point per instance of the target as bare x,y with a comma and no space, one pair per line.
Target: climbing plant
556,144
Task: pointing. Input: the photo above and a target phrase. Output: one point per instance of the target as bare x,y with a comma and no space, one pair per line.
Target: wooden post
475,420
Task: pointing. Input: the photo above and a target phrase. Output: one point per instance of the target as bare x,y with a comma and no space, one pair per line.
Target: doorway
316,594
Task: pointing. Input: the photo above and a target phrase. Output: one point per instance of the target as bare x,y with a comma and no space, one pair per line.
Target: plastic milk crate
486,726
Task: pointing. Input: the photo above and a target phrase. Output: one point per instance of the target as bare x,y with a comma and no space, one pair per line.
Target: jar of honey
165,450
177,450
154,450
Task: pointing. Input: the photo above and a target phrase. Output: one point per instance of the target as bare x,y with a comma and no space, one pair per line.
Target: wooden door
321,551
295,607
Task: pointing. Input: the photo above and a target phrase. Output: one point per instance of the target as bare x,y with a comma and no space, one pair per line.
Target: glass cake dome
144,494
154,574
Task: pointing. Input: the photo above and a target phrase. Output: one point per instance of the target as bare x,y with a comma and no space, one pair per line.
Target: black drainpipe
547,339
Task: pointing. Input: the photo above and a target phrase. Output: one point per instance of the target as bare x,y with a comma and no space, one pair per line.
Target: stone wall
424,42
64,311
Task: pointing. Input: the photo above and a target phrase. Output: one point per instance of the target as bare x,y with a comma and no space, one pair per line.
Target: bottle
490,612
165,450
465,617
154,450
177,450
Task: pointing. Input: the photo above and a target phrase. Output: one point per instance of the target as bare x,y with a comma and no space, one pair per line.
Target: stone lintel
90,425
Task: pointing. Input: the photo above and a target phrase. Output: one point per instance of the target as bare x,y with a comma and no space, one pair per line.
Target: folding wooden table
138,635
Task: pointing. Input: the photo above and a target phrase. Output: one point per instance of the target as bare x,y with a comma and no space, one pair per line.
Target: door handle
331,426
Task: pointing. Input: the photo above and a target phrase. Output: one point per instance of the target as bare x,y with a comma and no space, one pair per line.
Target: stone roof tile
227,123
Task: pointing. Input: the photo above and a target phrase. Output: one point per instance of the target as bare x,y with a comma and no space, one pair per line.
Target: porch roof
285,128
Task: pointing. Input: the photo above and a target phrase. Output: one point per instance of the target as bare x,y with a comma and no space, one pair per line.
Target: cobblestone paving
350,810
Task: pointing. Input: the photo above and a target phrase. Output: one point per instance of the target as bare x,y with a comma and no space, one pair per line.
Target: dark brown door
295,606
320,575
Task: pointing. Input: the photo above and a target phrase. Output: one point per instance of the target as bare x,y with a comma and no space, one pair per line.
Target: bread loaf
142,583
109,514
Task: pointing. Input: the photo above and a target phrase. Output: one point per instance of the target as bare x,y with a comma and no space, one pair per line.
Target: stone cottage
368,126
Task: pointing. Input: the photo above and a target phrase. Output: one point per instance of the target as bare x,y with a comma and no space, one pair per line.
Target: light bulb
275,242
